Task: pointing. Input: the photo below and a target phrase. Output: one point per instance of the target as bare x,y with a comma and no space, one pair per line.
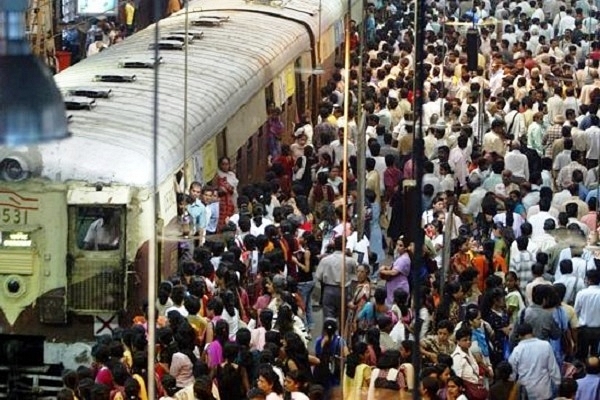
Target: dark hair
267,373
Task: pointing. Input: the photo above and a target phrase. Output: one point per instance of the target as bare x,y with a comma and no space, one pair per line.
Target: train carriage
56,278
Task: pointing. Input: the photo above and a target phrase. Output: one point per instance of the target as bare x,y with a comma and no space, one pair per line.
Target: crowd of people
508,281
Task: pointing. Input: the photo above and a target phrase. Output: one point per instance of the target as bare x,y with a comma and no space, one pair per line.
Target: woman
286,160
396,276
481,335
514,300
231,379
258,335
360,296
487,262
295,354
231,313
451,303
295,385
320,195
499,320
268,382
226,183
465,366
375,233
357,374
307,259
389,380
461,260
371,311
214,351
455,389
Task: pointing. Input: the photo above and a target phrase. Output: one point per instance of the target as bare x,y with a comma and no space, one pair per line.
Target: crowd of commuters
510,188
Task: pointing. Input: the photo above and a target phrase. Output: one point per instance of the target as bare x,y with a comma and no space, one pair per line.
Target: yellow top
129,13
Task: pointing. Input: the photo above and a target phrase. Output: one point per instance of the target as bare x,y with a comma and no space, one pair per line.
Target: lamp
32,109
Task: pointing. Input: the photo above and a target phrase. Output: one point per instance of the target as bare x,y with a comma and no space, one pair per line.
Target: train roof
247,48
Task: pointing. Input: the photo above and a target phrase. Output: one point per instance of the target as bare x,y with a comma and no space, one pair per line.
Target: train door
96,264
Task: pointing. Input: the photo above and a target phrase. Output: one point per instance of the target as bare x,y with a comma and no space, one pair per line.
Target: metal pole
418,161
342,323
153,202
361,143
185,95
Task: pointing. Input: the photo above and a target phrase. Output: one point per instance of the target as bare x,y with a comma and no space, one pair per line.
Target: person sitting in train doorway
105,232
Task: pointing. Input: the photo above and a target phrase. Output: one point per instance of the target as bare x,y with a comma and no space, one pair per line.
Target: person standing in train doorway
275,128
226,183
105,232
197,211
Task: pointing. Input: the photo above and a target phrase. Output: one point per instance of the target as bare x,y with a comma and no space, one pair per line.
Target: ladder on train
40,29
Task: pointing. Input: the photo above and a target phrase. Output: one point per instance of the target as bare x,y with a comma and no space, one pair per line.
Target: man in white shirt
538,220
517,162
587,304
534,364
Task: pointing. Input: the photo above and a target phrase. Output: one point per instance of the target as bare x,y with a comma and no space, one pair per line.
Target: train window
99,228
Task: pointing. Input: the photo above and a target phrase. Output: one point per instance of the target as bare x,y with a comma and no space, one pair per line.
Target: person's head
268,381
537,269
568,388
443,330
592,365
429,387
524,330
455,386
362,273
593,277
473,317
463,338
295,381
566,266
256,394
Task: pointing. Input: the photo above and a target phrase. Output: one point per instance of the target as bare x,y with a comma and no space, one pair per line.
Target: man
572,283
105,232
537,270
517,162
211,202
538,220
534,364
588,387
493,140
197,211
458,161
329,274
587,304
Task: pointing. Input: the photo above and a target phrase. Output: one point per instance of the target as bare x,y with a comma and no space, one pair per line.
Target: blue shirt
213,221
535,366
588,387
197,211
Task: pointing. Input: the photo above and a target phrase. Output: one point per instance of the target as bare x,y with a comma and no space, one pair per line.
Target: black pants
588,340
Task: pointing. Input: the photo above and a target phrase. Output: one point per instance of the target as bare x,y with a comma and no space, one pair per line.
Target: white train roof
112,142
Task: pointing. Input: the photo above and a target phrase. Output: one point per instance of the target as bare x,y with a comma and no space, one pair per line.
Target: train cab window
99,228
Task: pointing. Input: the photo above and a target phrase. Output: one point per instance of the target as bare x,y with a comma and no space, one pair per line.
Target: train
238,58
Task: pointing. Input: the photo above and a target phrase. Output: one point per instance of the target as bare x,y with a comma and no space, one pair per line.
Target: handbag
476,391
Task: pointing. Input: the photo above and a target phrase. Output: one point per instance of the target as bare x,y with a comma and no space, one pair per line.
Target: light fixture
31,106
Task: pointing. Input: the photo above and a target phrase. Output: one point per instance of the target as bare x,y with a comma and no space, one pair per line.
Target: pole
361,141
418,161
153,202
185,95
342,323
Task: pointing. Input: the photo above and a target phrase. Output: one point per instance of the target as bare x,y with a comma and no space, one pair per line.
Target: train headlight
14,286
14,169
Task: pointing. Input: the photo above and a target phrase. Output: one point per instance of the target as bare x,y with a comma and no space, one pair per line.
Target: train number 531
13,216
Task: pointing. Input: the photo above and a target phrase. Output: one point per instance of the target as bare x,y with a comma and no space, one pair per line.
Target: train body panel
75,215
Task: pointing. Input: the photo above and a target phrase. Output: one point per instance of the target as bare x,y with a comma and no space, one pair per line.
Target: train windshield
99,228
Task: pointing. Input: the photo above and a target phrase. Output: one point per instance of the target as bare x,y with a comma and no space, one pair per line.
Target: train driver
105,232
